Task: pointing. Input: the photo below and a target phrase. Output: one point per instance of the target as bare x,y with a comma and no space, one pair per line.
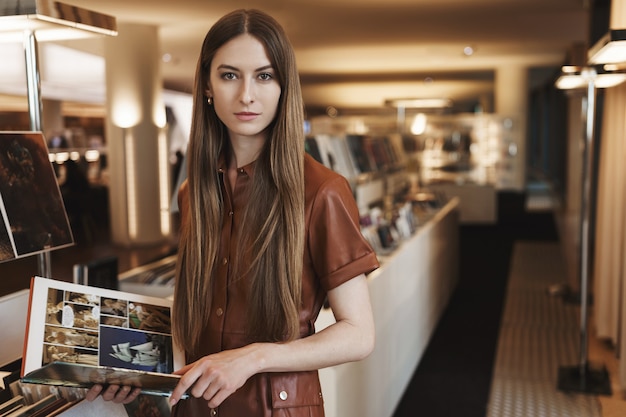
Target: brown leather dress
335,251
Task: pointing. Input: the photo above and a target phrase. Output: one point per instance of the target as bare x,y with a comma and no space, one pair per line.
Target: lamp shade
610,49
579,77
52,20
571,78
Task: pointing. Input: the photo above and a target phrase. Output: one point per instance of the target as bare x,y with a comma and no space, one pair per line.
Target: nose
247,92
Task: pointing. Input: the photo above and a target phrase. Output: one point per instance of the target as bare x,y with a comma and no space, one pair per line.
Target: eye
266,76
228,75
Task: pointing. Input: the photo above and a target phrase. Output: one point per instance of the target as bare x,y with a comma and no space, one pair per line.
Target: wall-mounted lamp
610,49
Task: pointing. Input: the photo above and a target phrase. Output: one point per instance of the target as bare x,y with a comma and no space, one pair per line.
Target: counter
409,292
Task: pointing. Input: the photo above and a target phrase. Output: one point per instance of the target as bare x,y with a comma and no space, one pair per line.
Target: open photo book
79,335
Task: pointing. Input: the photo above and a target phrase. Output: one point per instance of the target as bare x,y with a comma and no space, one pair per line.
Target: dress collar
248,169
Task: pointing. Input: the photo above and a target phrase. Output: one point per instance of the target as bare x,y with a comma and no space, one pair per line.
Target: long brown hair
273,223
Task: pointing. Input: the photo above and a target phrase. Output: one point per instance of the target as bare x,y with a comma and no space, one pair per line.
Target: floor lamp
33,20
582,377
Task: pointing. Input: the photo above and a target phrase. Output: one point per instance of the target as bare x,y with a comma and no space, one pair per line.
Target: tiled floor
540,333
599,352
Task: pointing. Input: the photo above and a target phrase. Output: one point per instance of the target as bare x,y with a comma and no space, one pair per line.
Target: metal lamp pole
582,378
33,87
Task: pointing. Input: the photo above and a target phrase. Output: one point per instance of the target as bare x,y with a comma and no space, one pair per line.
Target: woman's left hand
215,377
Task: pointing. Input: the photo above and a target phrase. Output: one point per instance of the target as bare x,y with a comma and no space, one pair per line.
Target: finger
218,398
126,395
179,391
133,395
183,370
206,387
93,392
109,393
209,394
183,385
121,394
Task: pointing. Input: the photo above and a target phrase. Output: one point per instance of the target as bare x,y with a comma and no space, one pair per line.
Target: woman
267,235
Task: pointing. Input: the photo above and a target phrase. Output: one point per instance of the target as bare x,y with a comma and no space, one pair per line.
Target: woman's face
244,87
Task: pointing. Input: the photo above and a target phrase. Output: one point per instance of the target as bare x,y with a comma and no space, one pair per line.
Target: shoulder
324,188
318,176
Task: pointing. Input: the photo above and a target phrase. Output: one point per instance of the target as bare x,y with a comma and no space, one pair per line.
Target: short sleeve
337,248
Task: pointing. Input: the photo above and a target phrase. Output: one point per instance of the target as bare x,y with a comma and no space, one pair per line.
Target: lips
246,116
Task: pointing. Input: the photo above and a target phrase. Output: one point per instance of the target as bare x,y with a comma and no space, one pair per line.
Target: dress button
224,261
213,412
283,395
230,213
219,312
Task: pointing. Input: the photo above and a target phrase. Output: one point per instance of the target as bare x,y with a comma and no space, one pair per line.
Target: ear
207,92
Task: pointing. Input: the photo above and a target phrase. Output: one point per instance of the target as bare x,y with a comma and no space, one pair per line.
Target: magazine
79,335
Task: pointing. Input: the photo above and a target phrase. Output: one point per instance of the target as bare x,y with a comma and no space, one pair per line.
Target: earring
209,100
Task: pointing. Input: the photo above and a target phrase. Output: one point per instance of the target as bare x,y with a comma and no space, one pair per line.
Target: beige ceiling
357,53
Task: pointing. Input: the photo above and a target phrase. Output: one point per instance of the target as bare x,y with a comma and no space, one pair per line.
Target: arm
351,338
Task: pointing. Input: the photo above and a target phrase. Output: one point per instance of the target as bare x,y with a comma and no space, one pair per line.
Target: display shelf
154,279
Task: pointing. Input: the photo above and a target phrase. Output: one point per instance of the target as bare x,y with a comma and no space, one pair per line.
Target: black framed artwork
33,214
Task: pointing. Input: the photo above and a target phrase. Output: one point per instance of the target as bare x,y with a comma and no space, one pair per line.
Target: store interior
478,181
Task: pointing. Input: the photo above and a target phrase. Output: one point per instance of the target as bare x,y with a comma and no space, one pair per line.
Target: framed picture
31,206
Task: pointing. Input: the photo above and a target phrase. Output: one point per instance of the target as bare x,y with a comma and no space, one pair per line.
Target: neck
245,151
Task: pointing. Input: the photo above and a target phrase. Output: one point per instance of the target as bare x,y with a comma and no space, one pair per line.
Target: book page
93,326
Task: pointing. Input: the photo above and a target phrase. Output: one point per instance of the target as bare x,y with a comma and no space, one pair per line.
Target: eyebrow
230,67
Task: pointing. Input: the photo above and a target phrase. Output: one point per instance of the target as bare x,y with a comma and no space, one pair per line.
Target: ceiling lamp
419,103
51,20
418,127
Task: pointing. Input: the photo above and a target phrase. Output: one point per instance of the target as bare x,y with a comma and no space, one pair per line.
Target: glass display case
435,156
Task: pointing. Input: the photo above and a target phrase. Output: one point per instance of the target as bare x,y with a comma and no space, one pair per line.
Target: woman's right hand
115,393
